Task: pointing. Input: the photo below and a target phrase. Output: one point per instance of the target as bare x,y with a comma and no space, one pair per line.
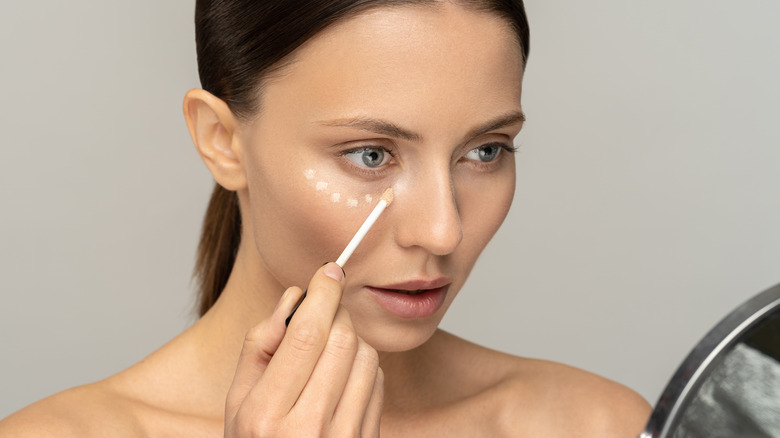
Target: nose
429,210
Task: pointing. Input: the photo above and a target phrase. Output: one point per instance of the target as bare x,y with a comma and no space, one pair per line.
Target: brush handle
356,239
287,321
361,233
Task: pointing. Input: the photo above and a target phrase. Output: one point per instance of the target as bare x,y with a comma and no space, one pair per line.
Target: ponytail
218,246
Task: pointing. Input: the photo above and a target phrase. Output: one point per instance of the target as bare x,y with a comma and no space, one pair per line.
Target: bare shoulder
84,411
574,401
532,397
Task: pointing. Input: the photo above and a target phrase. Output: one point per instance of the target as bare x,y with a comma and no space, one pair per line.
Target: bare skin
347,366
497,395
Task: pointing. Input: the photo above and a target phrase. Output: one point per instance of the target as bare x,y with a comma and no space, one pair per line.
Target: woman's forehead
399,57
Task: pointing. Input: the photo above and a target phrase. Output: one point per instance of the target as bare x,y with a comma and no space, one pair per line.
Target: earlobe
212,127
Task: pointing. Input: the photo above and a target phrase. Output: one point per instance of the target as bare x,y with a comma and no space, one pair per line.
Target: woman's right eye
372,157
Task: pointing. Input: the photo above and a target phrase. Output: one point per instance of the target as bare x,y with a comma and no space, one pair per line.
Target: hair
239,43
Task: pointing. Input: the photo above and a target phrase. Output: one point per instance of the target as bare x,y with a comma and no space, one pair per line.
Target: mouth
414,287
410,303
409,292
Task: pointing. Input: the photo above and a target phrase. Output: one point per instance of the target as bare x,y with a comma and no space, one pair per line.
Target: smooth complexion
335,194
425,100
423,96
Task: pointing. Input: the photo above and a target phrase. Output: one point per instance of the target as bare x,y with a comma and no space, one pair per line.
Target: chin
392,338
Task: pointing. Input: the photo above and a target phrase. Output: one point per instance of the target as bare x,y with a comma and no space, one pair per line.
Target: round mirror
729,385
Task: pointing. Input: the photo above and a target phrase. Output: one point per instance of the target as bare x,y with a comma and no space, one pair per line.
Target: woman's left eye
369,157
485,153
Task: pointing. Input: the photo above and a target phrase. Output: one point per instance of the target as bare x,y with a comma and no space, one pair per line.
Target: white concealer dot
335,197
309,173
369,199
352,202
322,186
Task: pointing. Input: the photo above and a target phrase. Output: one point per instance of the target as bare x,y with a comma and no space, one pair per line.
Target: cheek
484,204
340,191
301,220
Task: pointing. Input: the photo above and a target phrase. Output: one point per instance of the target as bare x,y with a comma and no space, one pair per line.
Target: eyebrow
383,127
498,123
376,126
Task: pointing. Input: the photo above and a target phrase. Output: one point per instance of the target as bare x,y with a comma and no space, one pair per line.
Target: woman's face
425,100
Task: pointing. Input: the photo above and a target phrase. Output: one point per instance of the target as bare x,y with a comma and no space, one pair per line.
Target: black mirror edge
705,357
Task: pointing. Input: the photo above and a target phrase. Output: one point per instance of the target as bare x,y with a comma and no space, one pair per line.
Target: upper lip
417,284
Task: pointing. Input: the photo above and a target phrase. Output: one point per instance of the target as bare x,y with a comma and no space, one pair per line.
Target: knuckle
253,335
330,288
306,338
368,355
254,426
254,343
343,339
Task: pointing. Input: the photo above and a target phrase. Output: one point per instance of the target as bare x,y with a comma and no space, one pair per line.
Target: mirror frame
705,358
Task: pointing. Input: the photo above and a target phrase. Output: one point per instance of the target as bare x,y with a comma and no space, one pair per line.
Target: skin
346,366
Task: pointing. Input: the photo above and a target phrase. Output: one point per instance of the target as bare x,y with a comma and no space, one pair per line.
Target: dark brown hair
239,42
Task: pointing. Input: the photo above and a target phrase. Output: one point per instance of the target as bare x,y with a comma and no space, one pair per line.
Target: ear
212,127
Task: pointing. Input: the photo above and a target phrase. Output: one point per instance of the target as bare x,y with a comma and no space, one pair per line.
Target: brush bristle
387,196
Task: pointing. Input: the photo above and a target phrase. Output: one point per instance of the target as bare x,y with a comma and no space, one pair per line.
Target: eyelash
375,172
368,171
490,165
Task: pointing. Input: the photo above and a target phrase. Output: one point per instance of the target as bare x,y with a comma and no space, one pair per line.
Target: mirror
729,385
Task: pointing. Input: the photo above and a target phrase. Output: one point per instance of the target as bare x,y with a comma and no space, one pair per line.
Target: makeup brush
384,201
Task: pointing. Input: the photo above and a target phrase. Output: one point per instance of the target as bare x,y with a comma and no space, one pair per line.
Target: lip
420,284
428,298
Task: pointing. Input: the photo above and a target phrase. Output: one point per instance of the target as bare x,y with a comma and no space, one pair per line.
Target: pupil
487,153
373,157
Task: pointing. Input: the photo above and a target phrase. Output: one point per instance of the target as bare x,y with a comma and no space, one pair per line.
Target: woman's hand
317,378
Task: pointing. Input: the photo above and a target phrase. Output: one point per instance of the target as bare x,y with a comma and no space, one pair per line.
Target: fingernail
334,271
281,300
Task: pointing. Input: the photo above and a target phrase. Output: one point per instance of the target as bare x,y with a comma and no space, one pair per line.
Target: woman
307,114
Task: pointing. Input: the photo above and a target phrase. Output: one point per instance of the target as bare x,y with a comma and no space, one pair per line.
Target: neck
248,298
214,342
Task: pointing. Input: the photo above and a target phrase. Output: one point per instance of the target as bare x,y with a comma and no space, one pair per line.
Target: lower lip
410,306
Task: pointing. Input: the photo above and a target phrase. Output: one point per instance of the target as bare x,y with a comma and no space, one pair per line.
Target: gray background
646,207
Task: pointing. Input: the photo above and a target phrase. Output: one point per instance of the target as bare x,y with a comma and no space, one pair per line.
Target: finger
326,385
260,344
307,334
354,402
373,416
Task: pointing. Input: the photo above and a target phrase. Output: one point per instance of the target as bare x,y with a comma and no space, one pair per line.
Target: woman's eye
368,157
485,153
